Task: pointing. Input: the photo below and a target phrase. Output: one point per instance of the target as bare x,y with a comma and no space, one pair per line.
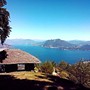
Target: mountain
19,41
70,45
5,46
54,43
58,43
23,42
79,42
85,47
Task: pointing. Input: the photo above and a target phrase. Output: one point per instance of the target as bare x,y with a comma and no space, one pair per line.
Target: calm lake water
44,54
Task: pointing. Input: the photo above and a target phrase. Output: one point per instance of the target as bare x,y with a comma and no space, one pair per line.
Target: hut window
21,67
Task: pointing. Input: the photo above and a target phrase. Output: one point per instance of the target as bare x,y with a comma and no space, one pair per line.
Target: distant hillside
79,42
85,47
23,42
70,45
19,41
54,43
58,43
5,46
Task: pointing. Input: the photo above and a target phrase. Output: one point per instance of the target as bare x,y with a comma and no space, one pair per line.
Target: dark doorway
10,67
29,67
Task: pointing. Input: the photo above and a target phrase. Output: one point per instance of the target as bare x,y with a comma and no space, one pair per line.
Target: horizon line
50,39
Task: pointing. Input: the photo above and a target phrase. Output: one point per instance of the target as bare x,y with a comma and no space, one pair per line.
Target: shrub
80,73
62,66
64,74
47,67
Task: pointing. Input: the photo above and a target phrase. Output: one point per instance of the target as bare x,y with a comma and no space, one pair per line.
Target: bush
64,74
62,66
47,67
80,73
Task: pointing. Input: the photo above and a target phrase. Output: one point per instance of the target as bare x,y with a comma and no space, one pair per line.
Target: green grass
30,76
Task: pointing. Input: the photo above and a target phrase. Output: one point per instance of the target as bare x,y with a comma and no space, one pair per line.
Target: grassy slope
35,81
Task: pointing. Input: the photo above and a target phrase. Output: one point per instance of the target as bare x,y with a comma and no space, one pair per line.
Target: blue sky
50,19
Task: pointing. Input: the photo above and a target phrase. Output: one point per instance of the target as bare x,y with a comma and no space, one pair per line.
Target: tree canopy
4,22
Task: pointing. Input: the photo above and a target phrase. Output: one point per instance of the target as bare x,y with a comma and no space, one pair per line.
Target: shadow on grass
8,82
67,84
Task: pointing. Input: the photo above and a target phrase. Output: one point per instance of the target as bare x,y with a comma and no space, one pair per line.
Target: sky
49,19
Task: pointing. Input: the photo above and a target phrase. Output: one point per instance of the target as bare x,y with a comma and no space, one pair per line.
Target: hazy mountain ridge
58,43
85,47
23,42
5,46
53,43
71,45
79,42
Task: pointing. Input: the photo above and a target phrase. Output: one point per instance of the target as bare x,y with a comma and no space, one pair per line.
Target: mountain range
23,42
71,45
79,42
53,43
58,43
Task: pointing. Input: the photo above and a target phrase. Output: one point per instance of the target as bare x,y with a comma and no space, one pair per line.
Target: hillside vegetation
69,77
79,72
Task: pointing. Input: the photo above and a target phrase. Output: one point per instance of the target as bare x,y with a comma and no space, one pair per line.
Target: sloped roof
16,56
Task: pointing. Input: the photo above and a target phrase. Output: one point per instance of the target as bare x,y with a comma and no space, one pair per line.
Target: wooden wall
29,67
11,67
14,67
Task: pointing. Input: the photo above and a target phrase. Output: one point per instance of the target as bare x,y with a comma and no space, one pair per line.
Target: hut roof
16,56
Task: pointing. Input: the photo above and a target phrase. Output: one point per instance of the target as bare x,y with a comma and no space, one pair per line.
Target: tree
63,65
4,22
80,73
47,67
2,3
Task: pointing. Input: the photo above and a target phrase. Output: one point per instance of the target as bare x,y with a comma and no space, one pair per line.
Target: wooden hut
15,59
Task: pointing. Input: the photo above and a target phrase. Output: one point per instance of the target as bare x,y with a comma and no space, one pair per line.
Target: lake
57,55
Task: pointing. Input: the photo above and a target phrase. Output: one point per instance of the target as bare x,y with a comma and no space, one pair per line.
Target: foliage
4,22
80,73
38,66
2,3
35,69
62,66
47,67
64,74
